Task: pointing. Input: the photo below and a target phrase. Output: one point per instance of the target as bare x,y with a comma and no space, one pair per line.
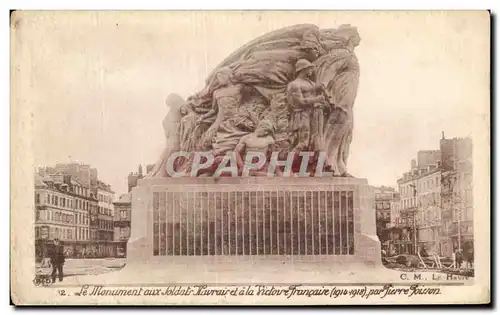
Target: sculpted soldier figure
302,97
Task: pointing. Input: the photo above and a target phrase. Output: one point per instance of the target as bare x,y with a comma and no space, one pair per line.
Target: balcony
446,214
466,229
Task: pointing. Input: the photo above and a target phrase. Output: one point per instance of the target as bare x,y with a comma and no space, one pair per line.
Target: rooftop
125,198
103,186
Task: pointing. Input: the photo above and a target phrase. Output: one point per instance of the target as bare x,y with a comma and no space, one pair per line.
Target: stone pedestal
284,220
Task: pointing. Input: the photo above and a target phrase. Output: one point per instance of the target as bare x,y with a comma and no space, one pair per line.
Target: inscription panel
267,222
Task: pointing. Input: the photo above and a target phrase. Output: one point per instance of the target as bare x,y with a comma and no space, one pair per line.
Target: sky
96,82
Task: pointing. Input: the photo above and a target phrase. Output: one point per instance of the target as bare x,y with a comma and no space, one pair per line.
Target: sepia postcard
250,157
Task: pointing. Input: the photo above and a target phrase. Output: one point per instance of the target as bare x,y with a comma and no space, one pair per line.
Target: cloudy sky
96,82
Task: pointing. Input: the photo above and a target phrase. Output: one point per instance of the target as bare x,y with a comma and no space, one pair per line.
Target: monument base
292,247
270,270
252,221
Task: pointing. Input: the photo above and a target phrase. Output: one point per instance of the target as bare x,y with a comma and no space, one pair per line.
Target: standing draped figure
338,71
171,127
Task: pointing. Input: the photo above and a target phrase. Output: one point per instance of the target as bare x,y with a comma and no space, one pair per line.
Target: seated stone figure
259,142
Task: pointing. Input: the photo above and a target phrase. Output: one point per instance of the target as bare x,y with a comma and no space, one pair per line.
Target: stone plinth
258,219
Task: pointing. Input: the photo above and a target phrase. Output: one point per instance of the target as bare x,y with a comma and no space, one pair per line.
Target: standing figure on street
459,258
302,97
56,255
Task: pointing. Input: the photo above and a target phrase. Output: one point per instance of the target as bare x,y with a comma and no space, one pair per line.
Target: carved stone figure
302,80
302,98
226,102
171,126
260,141
338,70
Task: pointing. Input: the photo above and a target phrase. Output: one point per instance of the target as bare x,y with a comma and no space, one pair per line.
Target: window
124,232
37,198
47,200
38,215
57,200
123,214
70,234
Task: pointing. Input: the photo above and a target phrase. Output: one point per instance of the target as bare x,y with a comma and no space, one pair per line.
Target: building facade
105,229
90,203
62,206
122,222
384,203
436,199
457,197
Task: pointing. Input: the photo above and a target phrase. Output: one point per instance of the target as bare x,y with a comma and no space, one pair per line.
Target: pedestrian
469,258
459,258
56,255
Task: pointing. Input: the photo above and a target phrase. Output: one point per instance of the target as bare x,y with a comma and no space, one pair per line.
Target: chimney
67,179
149,168
413,164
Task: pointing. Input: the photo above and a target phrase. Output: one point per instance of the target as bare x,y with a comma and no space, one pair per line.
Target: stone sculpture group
289,91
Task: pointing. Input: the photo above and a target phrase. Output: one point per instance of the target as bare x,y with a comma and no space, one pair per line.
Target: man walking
56,255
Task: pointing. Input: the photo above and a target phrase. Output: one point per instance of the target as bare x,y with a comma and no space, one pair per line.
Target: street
74,267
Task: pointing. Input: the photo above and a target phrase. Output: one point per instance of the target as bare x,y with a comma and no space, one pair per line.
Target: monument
255,164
